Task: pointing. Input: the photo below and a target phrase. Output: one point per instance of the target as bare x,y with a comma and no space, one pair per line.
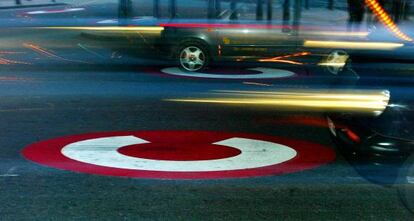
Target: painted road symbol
178,154
251,73
104,152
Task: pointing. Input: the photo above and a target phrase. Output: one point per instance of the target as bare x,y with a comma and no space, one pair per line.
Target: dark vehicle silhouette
381,147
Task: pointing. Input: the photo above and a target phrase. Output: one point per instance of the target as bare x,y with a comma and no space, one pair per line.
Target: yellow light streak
366,102
353,45
294,103
282,59
331,94
333,64
337,33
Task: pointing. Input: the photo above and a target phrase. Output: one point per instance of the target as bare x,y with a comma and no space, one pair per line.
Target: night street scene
207,110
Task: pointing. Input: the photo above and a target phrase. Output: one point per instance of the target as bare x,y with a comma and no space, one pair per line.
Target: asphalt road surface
62,83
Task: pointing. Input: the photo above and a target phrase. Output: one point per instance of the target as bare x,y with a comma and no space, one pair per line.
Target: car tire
405,183
193,56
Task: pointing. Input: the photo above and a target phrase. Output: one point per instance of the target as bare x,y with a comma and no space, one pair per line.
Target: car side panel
173,38
256,42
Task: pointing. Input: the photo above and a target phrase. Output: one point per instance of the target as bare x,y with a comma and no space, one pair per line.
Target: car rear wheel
193,57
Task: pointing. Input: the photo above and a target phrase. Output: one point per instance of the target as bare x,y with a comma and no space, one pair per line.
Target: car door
256,40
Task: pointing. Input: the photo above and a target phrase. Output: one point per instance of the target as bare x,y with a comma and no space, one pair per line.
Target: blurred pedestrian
398,7
124,11
286,15
356,10
407,10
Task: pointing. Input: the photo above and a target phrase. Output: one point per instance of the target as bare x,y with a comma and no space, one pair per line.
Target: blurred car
195,44
380,147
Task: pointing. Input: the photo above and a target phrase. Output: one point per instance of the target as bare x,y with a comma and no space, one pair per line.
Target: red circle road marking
308,155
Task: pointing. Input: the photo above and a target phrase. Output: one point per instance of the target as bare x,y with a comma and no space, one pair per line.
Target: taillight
352,135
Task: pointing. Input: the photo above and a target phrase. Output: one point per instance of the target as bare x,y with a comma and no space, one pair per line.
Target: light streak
282,59
10,52
4,61
386,20
367,102
337,33
15,79
352,45
333,64
54,11
257,83
90,51
48,53
41,50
